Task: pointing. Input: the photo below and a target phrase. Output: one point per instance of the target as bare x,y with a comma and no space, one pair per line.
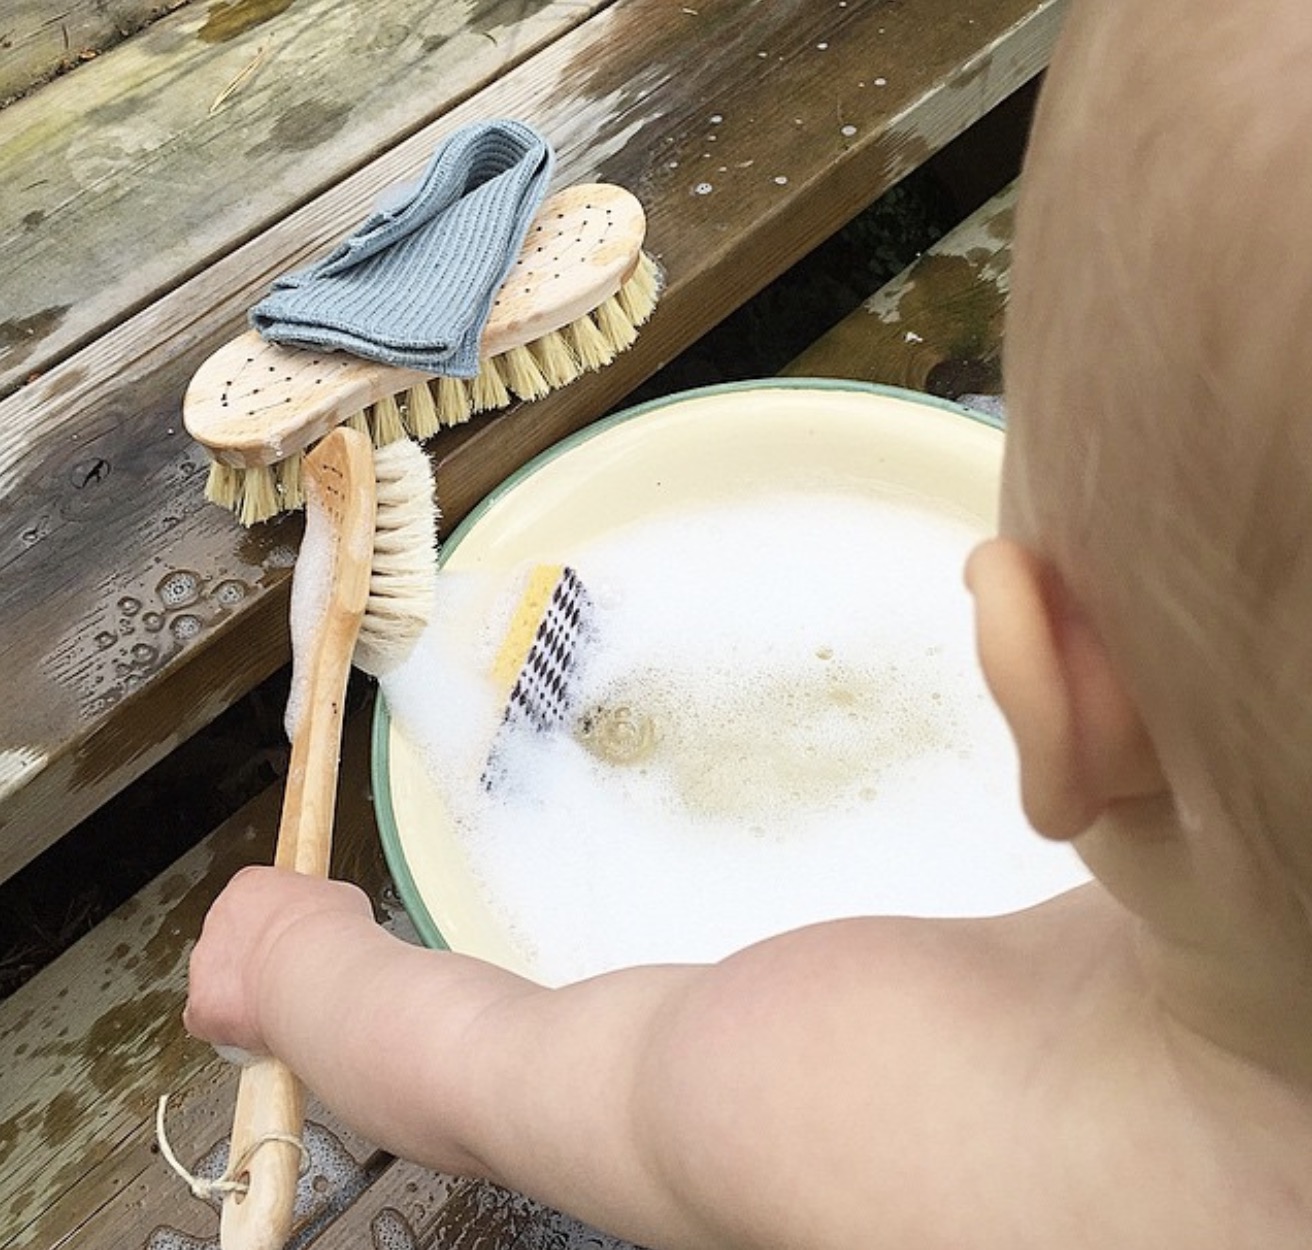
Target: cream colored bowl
716,446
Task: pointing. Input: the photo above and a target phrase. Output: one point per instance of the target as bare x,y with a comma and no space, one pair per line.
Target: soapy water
813,739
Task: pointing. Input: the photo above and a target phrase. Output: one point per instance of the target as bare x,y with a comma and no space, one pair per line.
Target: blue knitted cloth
414,284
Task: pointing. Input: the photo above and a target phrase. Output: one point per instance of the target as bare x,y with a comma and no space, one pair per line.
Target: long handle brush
362,590
575,297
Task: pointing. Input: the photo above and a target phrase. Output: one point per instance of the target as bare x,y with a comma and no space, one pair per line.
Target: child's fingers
243,925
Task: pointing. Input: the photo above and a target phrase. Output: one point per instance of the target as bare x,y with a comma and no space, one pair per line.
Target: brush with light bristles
362,590
574,298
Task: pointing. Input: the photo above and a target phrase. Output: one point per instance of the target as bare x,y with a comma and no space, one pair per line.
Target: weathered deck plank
131,612
91,1042
38,39
139,169
936,327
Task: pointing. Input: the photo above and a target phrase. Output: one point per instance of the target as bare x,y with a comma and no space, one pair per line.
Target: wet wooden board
38,40
937,327
138,169
89,1045
131,612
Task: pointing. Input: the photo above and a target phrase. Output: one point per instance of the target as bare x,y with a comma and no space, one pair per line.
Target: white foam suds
824,744
311,592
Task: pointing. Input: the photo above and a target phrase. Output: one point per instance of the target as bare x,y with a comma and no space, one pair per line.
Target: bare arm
810,1090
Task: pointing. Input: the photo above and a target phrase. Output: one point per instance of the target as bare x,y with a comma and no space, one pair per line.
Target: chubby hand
258,908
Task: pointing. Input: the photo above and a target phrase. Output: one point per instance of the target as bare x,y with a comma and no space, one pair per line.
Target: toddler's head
1159,375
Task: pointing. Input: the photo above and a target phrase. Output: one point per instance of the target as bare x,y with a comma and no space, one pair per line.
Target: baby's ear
1081,742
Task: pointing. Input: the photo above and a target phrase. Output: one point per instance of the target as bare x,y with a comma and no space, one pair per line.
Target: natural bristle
523,377
223,485
589,343
527,372
385,425
639,296
402,583
620,332
451,395
558,363
488,389
259,495
421,416
291,486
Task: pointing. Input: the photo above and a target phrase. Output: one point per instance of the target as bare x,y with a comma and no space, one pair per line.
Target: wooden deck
151,195
132,613
937,327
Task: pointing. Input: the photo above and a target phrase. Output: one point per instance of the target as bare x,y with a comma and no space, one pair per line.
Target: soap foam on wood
825,745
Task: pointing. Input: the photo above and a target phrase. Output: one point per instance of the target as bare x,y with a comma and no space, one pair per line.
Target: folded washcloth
414,285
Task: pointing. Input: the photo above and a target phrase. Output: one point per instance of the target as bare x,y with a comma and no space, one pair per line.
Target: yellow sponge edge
525,619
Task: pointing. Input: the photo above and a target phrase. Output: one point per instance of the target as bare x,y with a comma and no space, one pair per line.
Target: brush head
404,571
576,295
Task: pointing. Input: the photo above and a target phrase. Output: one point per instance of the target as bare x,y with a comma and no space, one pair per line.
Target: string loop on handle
227,1183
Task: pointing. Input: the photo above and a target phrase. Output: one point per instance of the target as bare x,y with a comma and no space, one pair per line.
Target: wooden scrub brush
574,298
362,592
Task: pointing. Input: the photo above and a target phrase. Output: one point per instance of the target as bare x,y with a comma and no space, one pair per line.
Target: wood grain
936,327
139,169
38,40
131,612
255,402
270,1101
89,1044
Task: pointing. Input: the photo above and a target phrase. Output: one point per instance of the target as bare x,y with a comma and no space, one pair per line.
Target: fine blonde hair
1159,376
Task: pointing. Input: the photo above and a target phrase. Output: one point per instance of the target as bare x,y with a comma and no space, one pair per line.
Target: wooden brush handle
270,1105
270,1101
340,515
